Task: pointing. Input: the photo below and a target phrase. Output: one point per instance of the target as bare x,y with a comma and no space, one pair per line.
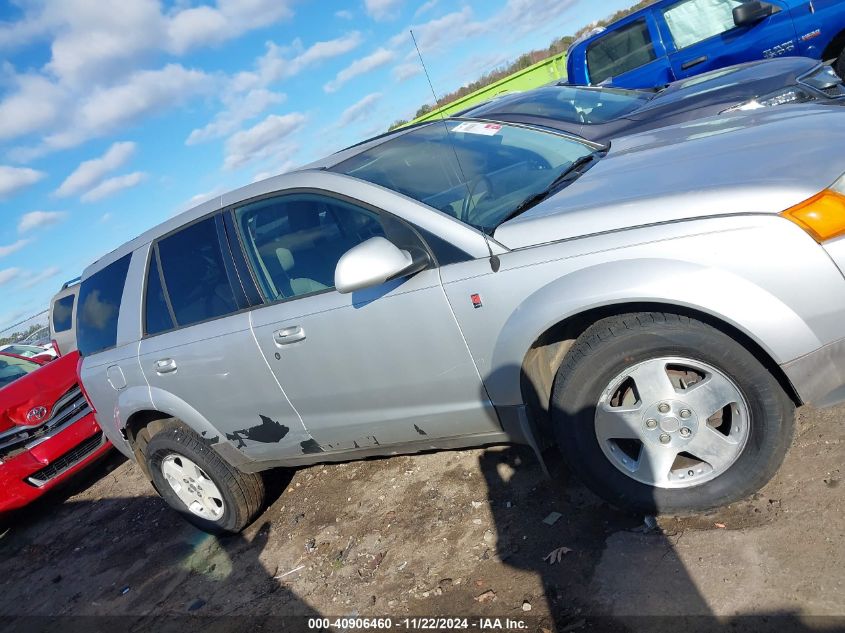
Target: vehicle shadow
601,569
126,579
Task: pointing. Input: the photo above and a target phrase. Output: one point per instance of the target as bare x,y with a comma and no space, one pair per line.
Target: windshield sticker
484,129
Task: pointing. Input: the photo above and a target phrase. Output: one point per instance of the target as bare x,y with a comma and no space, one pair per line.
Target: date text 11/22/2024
417,624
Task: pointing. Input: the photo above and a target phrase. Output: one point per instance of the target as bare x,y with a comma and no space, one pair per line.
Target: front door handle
289,335
165,366
694,62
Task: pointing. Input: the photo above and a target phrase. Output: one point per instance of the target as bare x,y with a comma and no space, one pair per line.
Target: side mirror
374,262
750,13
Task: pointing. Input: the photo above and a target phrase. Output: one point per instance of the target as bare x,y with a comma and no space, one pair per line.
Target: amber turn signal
822,216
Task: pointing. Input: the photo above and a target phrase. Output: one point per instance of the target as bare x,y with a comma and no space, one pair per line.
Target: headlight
790,95
823,215
823,79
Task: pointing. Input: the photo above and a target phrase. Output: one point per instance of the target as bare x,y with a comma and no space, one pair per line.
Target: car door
383,366
701,35
198,346
630,55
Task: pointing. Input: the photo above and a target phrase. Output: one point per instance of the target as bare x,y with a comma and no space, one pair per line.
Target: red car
47,428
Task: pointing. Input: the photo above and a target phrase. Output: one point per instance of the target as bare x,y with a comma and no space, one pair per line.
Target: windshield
480,173
12,368
588,106
27,351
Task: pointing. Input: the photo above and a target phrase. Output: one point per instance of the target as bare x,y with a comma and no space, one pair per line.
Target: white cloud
90,172
99,58
438,35
13,248
35,104
144,93
343,15
204,25
284,62
113,185
266,139
13,179
382,9
401,72
359,110
360,66
39,219
44,275
9,274
519,17
425,7
240,109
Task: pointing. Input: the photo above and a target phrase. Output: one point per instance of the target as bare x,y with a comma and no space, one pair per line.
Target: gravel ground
456,533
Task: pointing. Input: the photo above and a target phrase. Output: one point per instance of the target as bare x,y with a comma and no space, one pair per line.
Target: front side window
99,306
620,51
63,314
294,242
478,172
12,368
693,21
194,273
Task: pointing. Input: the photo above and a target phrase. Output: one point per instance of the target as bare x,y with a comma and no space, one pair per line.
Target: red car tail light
55,345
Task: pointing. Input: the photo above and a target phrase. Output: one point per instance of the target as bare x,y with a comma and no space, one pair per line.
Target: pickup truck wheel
662,413
196,482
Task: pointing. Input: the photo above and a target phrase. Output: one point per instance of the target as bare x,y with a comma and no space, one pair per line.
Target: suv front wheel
196,482
663,413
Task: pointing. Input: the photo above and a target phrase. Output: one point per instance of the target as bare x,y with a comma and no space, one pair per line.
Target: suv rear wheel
196,482
662,413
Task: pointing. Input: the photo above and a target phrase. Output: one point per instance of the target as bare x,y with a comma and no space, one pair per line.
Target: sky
117,114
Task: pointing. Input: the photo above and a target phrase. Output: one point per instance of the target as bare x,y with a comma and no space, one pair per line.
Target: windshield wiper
572,172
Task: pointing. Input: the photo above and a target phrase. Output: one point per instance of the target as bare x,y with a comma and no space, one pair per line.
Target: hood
763,161
41,388
726,87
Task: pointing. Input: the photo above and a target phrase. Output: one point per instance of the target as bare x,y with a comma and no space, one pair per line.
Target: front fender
759,314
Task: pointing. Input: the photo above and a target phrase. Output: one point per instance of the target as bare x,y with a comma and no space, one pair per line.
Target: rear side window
620,51
63,314
157,317
194,273
99,306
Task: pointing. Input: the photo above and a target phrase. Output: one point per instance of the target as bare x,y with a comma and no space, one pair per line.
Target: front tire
199,484
663,413
839,65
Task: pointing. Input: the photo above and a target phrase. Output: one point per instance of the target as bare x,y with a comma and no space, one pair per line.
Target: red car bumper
30,474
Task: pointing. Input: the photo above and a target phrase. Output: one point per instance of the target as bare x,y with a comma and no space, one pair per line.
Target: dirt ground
455,533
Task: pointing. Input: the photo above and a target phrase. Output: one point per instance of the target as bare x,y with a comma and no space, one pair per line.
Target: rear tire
839,65
199,484
680,457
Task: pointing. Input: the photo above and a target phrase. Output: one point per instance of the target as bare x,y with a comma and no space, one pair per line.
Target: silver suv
656,309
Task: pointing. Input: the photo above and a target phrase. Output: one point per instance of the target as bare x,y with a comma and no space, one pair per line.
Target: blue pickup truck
674,39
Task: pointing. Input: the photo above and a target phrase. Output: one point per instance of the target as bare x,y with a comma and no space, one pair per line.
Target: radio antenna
494,259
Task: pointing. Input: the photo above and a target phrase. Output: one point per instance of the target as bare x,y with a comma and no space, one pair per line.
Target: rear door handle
289,335
694,62
165,366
